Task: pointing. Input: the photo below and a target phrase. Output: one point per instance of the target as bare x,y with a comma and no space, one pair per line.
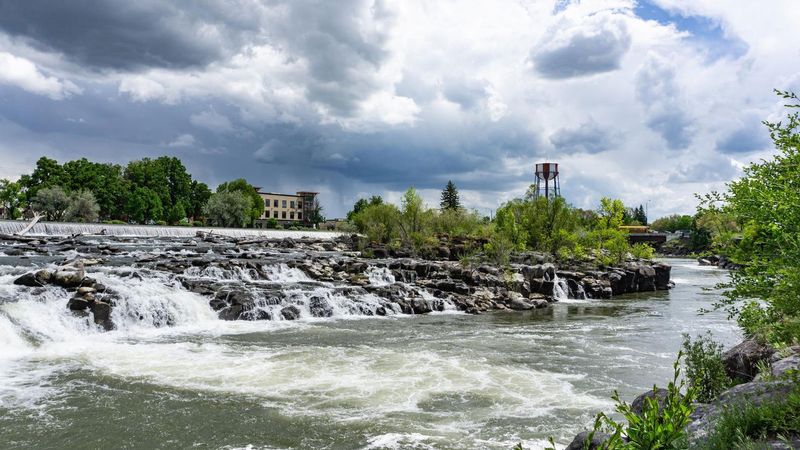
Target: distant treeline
146,191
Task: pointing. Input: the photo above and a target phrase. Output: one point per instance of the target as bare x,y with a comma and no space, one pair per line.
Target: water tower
547,182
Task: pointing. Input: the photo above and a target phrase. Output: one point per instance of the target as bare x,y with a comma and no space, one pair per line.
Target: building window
283,215
299,216
283,203
266,213
275,214
291,203
299,205
275,203
291,215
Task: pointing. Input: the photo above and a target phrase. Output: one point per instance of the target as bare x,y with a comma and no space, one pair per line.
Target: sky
646,101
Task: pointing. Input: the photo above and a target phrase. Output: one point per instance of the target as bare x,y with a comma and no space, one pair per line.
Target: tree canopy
450,199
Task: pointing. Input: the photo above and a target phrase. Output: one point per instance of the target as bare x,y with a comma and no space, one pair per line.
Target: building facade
287,209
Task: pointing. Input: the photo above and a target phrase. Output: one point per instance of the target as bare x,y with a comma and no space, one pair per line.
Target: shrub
642,251
705,370
655,427
498,249
272,223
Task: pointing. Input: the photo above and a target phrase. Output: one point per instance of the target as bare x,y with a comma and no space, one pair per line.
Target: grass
747,426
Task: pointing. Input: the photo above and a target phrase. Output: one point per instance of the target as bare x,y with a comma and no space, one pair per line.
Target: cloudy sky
648,101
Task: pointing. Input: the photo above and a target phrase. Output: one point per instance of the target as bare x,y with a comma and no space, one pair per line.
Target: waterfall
68,229
560,289
380,276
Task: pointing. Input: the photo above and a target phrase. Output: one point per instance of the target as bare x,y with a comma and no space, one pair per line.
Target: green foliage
166,177
611,213
362,204
380,223
744,424
639,216
242,186
10,198
672,223
457,222
51,201
198,197
656,427
765,202
537,224
642,251
144,206
229,208
272,223
450,199
499,249
47,174
82,207
705,369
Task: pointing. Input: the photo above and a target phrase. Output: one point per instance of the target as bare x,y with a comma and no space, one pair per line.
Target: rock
69,276
646,279
786,366
662,276
30,280
290,312
754,393
639,402
421,306
380,253
519,303
86,290
78,304
444,252
741,360
102,314
580,440
319,307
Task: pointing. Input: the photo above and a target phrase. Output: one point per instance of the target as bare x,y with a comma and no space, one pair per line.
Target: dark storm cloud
745,140
343,43
586,138
129,35
592,48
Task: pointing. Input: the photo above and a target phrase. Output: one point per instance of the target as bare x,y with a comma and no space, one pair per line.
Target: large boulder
755,393
646,279
102,314
290,312
579,442
741,361
34,279
662,276
69,276
659,394
319,307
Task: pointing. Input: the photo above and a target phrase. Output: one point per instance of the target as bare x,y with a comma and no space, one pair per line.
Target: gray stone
637,406
290,312
578,443
741,361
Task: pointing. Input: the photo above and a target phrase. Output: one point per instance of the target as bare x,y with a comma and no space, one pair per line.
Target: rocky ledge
401,285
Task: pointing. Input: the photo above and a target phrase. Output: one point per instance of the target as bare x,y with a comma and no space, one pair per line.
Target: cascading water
69,229
560,289
380,276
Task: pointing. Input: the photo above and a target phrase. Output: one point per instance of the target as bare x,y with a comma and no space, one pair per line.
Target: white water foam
380,276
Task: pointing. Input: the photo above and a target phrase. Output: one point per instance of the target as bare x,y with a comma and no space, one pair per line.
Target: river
440,381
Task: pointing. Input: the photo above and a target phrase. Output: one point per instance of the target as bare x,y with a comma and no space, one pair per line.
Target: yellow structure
287,209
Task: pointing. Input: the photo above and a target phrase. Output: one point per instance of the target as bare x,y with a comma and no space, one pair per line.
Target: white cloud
23,73
184,140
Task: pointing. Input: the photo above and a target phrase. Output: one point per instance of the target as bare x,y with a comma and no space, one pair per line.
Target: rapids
173,375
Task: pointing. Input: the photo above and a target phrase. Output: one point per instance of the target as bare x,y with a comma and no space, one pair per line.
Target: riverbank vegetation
532,223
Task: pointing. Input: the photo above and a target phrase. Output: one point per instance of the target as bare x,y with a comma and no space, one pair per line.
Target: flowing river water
440,381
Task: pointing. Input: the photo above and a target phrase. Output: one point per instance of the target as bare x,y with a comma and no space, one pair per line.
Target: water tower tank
547,171
547,183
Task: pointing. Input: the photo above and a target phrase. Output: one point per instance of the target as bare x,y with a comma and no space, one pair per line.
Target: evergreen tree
450,198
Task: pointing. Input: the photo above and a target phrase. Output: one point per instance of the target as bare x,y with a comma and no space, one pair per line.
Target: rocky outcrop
580,441
741,361
718,260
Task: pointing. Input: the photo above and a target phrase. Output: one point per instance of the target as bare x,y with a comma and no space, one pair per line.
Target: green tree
200,193
316,213
379,222
450,199
144,206
51,201
48,173
362,204
611,213
105,181
765,202
10,198
672,223
82,207
166,177
256,202
229,208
